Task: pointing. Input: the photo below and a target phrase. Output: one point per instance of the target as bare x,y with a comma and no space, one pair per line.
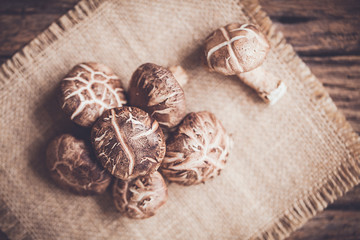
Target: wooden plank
304,10
318,28
17,30
340,76
324,37
330,225
27,7
23,20
349,202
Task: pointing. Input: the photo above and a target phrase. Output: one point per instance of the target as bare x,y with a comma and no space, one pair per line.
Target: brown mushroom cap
73,167
154,89
128,142
235,48
197,151
141,197
88,90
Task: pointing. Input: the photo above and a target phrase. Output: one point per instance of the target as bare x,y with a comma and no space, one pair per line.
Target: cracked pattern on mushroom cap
128,142
141,197
197,151
88,90
154,89
235,48
73,167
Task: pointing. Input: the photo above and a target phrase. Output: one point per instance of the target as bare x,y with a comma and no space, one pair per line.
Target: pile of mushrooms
128,145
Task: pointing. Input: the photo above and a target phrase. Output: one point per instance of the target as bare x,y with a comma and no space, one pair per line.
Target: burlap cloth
288,162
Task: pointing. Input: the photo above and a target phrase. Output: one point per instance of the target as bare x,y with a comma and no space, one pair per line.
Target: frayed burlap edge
347,174
27,54
342,180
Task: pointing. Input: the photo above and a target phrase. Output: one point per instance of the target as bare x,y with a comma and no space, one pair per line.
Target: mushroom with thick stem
141,197
88,90
73,166
197,150
128,142
241,49
154,89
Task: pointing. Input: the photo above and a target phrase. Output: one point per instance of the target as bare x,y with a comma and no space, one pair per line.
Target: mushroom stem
266,84
179,74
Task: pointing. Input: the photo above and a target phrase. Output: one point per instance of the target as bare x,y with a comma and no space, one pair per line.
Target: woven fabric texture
287,163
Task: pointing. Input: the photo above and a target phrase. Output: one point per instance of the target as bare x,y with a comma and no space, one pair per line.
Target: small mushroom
128,142
88,90
241,49
142,197
197,151
154,89
73,167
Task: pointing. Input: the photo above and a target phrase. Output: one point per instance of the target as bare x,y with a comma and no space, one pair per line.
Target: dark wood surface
326,35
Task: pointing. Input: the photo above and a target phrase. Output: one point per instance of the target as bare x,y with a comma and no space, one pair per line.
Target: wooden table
326,35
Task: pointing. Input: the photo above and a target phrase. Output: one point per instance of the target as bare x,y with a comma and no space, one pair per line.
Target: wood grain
324,33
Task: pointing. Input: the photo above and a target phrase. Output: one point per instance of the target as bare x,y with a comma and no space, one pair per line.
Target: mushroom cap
89,89
128,142
197,151
73,167
235,48
154,89
142,197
